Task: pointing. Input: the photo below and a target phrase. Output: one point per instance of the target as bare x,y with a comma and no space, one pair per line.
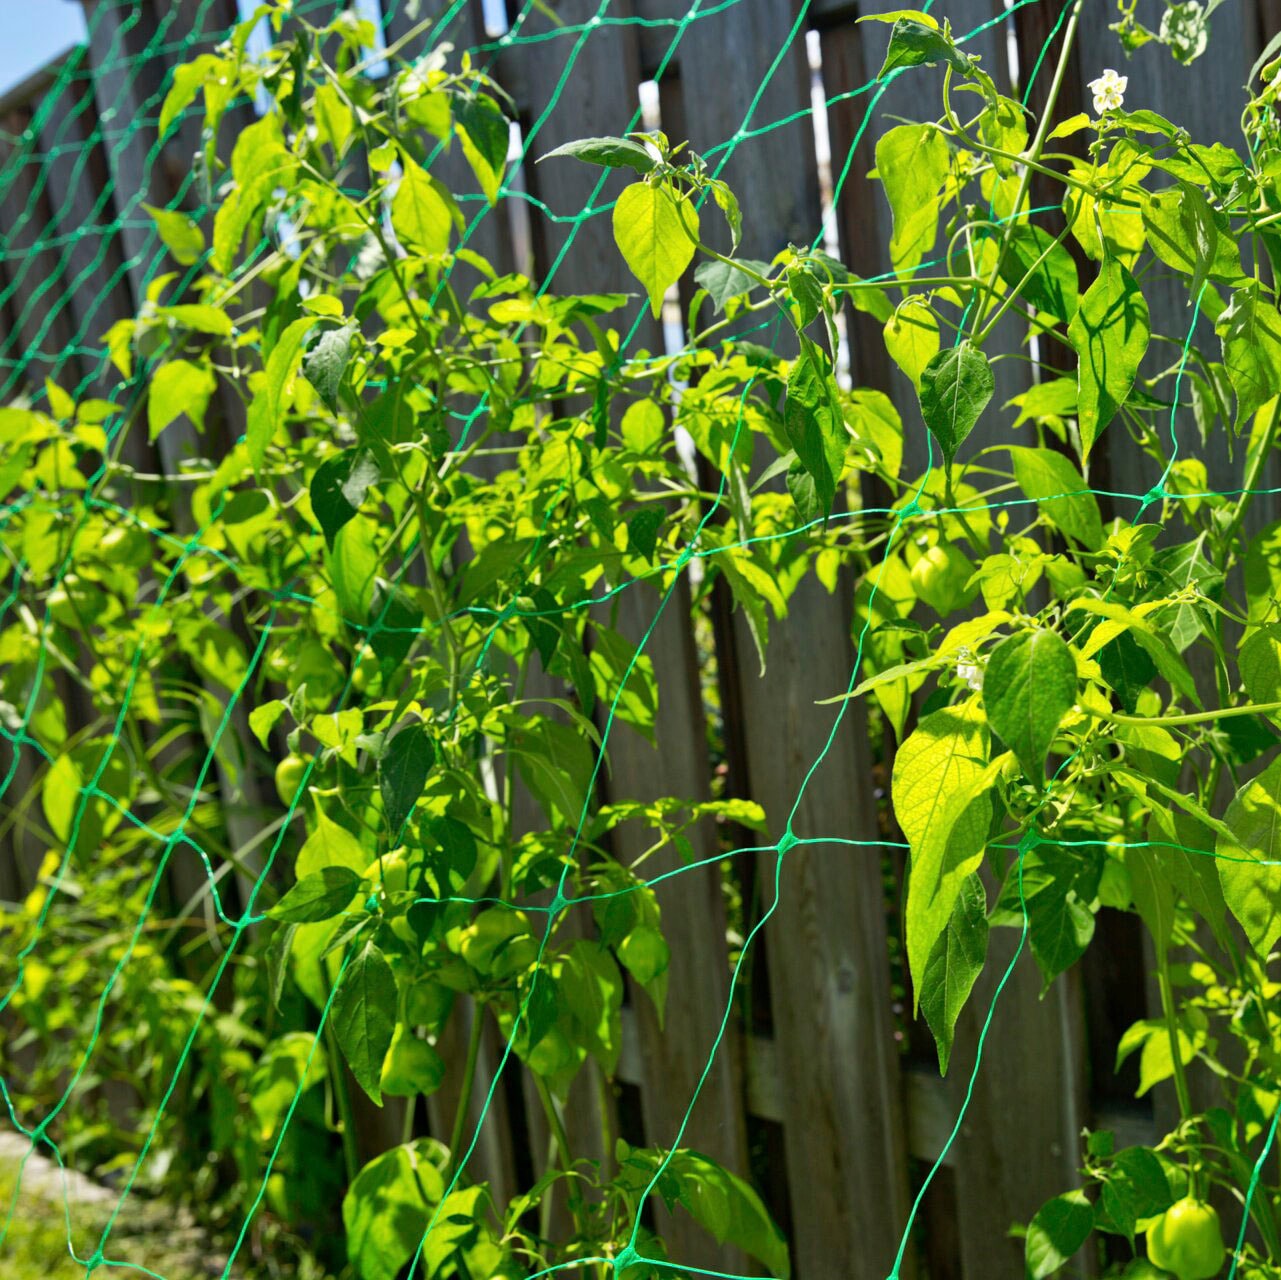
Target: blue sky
34,32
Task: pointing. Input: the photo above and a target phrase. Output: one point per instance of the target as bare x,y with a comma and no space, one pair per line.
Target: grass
35,1246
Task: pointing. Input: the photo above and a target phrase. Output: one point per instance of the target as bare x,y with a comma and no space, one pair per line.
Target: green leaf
402,772
182,237
955,962
1260,663
353,568
612,153
1109,333
364,1017
1029,686
1003,125
486,137
387,1209
319,896
1154,642
330,845
1186,853
915,44
338,487
1135,1187
939,788
1251,888
956,386
1060,1228
719,1201
421,213
813,422
178,387
267,409
642,531
912,163
1052,286
1153,893
806,292
325,362
723,280
1058,889
912,337
655,232
1250,331
1188,235
728,204
1060,492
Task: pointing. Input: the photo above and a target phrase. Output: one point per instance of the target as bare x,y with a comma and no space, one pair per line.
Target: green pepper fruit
289,775
1187,1241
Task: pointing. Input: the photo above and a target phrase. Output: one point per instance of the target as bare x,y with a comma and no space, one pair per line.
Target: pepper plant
402,573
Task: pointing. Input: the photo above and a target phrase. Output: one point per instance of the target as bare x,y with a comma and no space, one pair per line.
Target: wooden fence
829,1099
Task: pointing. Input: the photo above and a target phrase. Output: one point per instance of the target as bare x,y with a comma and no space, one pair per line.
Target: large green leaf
319,896
1260,662
1188,235
1060,1228
720,1201
912,163
387,1208
1250,331
813,421
325,362
421,212
1251,888
939,788
612,153
1029,686
178,387
1058,889
1060,492
402,773
486,136
267,408
912,336
956,386
955,962
1110,333
1052,284
914,44
338,487
364,1017
656,235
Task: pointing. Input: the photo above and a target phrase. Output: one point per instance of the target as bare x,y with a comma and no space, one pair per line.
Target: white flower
1109,91
968,670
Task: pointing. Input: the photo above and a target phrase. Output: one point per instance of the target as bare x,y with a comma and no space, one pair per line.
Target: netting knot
558,904
685,556
371,903
1029,841
94,1261
912,510
1155,494
786,841
627,1258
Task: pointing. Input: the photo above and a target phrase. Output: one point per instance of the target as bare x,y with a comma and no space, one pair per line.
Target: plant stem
1192,717
346,1115
1034,151
1172,1029
464,1094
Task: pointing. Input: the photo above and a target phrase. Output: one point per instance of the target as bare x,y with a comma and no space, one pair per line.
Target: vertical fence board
674,1055
829,983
